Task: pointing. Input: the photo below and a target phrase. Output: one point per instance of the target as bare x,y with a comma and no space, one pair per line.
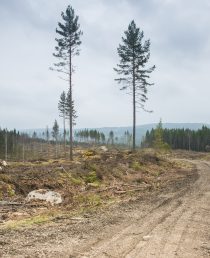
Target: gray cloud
180,48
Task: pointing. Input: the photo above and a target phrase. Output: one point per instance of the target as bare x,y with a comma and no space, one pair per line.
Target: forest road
178,227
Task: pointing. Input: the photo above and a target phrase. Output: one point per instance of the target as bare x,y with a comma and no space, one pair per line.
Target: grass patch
27,222
136,166
76,181
88,200
6,190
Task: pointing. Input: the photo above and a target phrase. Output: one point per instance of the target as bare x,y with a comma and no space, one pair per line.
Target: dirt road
175,223
179,227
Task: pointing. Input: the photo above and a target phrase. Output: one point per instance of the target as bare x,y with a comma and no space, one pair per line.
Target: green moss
10,191
6,190
76,181
5,178
136,166
88,200
27,222
93,167
89,153
91,177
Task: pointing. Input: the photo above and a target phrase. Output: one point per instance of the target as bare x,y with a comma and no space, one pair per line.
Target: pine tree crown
134,54
69,41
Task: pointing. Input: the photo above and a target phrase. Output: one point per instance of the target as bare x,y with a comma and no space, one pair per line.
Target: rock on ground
104,148
44,195
3,163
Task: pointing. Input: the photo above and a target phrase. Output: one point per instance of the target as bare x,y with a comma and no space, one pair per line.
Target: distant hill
140,129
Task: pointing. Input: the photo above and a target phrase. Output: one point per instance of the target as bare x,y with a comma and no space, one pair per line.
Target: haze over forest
180,48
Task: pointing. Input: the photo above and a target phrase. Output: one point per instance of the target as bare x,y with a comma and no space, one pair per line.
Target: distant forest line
185,139
15,145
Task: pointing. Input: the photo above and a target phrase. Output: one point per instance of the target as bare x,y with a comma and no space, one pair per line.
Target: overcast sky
179,31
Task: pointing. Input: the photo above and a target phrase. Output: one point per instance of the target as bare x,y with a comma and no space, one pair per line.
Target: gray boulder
3,163
44,195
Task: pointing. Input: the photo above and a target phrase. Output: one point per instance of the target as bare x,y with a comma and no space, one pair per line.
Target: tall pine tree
67,47
134,54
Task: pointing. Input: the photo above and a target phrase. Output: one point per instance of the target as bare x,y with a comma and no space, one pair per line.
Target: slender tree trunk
56,148
41,150
64,134
189,145
13,145
59,148
70,113
23,150
6,146
134,108
34,149
48,151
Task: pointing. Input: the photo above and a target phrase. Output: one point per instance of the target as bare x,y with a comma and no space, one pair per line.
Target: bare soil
172,221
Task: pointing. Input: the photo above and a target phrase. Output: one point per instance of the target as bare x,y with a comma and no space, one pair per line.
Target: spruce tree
111,137
55,135
158,136
62,111
134,54
69,108
67,47
103,138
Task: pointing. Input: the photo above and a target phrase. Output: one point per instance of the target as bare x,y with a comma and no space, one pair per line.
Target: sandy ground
173,223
